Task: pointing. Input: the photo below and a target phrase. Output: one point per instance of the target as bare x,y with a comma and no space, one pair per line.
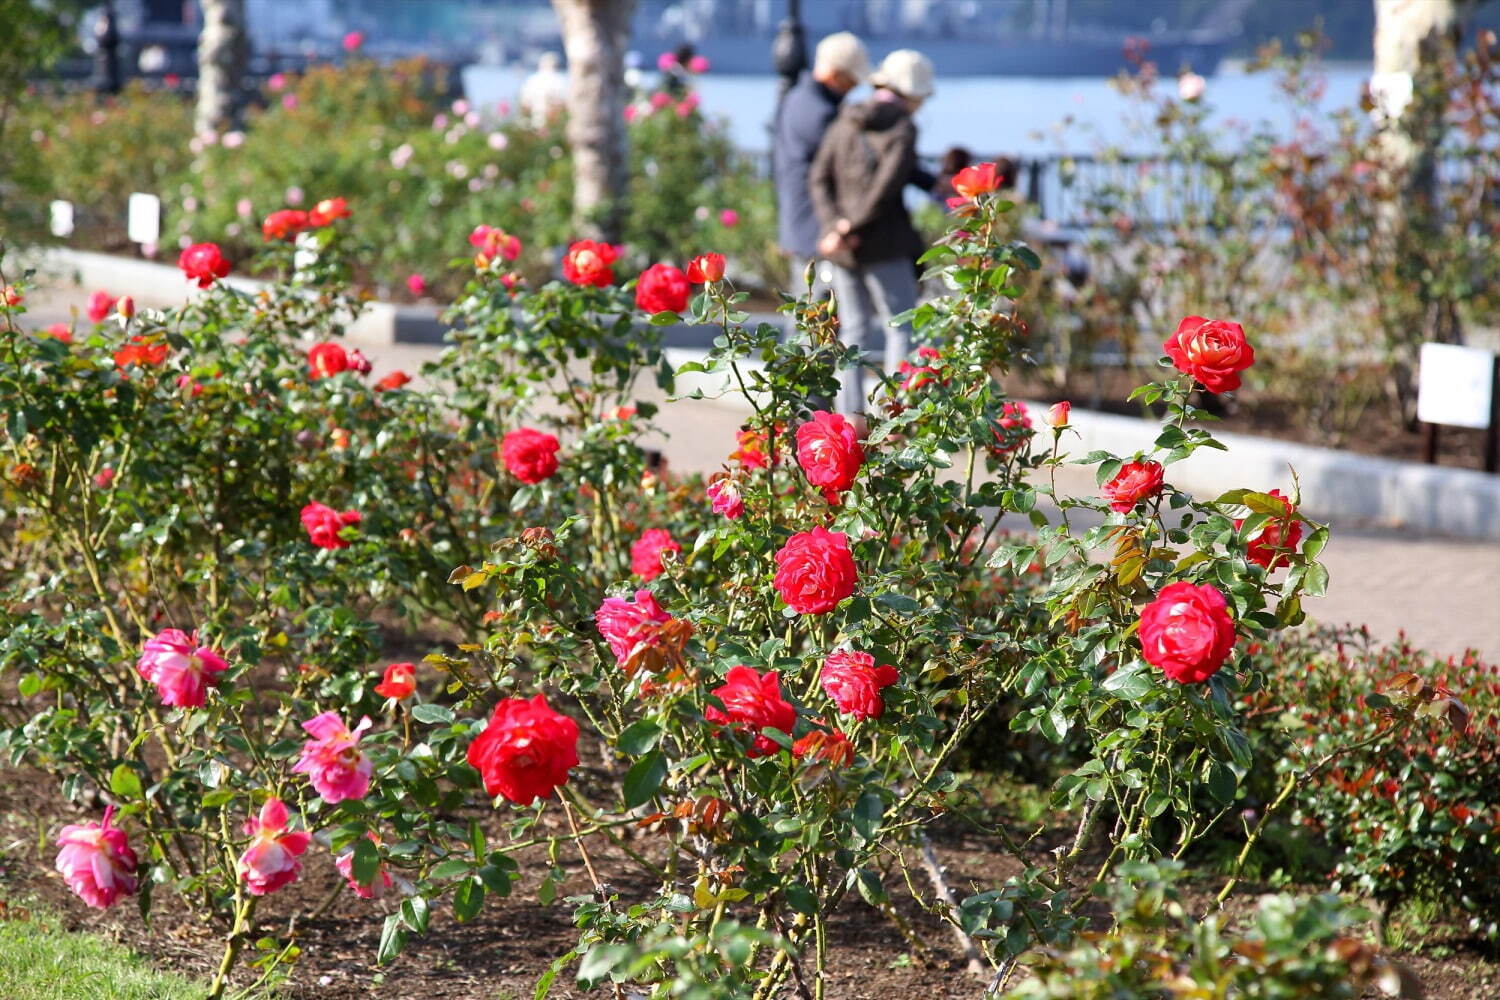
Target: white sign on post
143,218
1454,385
61,218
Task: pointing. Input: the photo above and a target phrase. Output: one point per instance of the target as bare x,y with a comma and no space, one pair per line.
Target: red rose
661,288
141,351
328,359
1213,351
815,571
981,178
394,380
753,703
626,624
854,682
283,225
914,377
326,211
751,452
706,268
525,751
1187,632
1012,428
100,303
530,455
324,525
725,498
400,681
1136,481
204,263
645,554
1058,413
1270,546
829,452
588,263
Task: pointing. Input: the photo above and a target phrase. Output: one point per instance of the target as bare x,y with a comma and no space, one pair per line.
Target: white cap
907,72
842,52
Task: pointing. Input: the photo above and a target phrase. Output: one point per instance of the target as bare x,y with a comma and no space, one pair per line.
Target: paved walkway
1444,594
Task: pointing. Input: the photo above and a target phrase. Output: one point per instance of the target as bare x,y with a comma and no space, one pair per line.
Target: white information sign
61,218
143,219
1454,385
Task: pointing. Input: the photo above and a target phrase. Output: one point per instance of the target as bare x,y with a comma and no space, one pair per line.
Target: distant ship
962,37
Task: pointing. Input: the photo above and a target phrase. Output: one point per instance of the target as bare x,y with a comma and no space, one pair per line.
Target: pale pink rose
295,195
687,105
96,861
666,62
289,102
332,759
270,861
377,887
1190,86
234,140
472,119
698,64
631,112
729,218
276,82
439,122
503,109
460,107
181,668
244,208
660,100
497,141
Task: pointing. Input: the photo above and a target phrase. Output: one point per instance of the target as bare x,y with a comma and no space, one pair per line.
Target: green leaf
448,869
640,737
125,783
867,814
801,899
467,899
432,714
1222,783
366,862
392,939
600,960
644,778
1128,685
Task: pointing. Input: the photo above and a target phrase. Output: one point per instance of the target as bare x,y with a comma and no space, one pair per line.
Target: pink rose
100,304
377,887
1136,481
724,496
1212,351
332,760
325,525
628,624
96,861
270,860
181,669
829,452
729,218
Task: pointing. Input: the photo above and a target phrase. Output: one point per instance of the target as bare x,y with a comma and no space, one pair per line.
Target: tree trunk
595,33
222,50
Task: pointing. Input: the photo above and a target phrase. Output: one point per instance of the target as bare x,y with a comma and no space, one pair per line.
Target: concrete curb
1336,485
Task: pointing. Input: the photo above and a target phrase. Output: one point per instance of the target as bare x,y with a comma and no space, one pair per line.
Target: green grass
41,961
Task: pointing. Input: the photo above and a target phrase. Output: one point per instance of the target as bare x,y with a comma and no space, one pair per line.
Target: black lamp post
107,54
789,50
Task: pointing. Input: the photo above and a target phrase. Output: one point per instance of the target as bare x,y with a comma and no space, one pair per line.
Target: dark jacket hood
876,116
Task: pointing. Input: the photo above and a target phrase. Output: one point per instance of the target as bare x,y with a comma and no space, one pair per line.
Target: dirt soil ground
502,953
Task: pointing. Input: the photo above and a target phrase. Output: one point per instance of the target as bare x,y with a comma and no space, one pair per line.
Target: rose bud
1058,413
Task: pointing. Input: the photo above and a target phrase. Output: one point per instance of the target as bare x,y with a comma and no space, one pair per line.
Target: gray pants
868,296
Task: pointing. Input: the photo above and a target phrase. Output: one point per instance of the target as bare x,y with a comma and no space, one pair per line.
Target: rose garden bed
302,655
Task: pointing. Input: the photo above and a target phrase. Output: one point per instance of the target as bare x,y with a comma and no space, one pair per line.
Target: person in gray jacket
839,65
857,179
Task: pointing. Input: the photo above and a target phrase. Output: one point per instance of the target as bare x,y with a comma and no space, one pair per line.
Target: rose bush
771,700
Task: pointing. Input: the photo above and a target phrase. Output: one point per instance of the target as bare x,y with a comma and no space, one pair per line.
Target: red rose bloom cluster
753,702
706,268
324,360
323,525
815,571
492,242
100,303
530,455
141,351
204,263
661,288
1187,632
829,452
1213,351
645,554
854,683
589,262
1012,428
1136,481
1270,546
284,224
525,751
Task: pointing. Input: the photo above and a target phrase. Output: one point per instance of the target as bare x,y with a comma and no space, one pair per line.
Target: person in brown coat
856,181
